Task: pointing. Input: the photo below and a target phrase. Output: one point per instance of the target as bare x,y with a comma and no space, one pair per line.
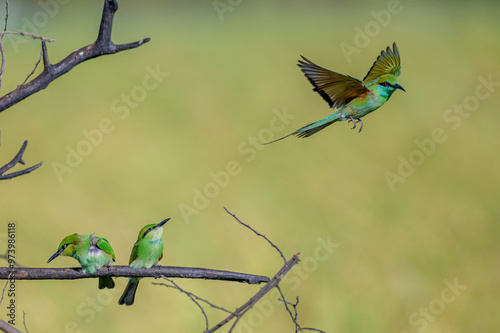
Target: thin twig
3,290
17,159
296,313
24,322
257,233
238,313
6,16
195,296
28,34
34,69
190,295
2,51
6,257
285,302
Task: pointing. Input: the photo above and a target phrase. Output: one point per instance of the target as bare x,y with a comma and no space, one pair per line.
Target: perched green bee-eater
353,98
92,253
147,251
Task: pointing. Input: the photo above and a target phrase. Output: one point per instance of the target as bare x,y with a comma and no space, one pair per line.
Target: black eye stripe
146,232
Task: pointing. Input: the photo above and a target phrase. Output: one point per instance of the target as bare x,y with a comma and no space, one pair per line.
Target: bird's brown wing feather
335,88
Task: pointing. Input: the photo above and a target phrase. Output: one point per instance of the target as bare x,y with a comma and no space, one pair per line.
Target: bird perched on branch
147,251
351,97
92,253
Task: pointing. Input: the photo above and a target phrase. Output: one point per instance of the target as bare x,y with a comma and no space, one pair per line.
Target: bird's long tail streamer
313,128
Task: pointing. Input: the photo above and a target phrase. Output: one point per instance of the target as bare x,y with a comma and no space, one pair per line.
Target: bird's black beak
399,87
55,255
159,225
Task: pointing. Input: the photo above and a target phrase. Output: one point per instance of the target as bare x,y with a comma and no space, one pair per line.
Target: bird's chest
374,101
362,106
149,253
90,254
92,258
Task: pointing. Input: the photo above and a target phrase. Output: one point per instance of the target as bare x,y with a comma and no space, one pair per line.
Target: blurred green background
226,70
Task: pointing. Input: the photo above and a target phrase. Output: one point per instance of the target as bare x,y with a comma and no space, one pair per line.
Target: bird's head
388,83
67,247
152,231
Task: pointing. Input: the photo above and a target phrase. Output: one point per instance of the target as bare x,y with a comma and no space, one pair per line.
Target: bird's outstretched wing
335,88
103,244
388,62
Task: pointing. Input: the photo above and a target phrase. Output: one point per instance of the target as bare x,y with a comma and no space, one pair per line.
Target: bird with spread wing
351,97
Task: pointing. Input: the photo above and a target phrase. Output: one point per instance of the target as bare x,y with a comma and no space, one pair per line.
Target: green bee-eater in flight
353,98
92,253
147,251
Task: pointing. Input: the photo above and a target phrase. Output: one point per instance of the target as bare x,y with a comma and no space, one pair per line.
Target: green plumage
352,98
147,251
92,253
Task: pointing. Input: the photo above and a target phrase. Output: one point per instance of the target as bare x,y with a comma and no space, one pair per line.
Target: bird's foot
355,122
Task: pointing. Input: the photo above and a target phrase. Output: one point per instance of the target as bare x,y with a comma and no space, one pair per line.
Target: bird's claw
355,122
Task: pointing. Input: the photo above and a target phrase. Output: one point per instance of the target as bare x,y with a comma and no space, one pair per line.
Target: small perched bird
353,98
92,253
147,251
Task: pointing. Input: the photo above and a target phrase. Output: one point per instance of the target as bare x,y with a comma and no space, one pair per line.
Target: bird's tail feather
106,282
129,292
312,128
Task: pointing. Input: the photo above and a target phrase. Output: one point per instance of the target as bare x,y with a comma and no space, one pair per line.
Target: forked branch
17,159
103,45
243,309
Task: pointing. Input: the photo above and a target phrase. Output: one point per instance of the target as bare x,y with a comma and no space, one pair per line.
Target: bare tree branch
190,295
28,34
238,313
273,283
286,303
34,69
257,233
103,45
4,287
2,51
7,328
296,313
24,322
127,271
17,159
176,286
5,256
